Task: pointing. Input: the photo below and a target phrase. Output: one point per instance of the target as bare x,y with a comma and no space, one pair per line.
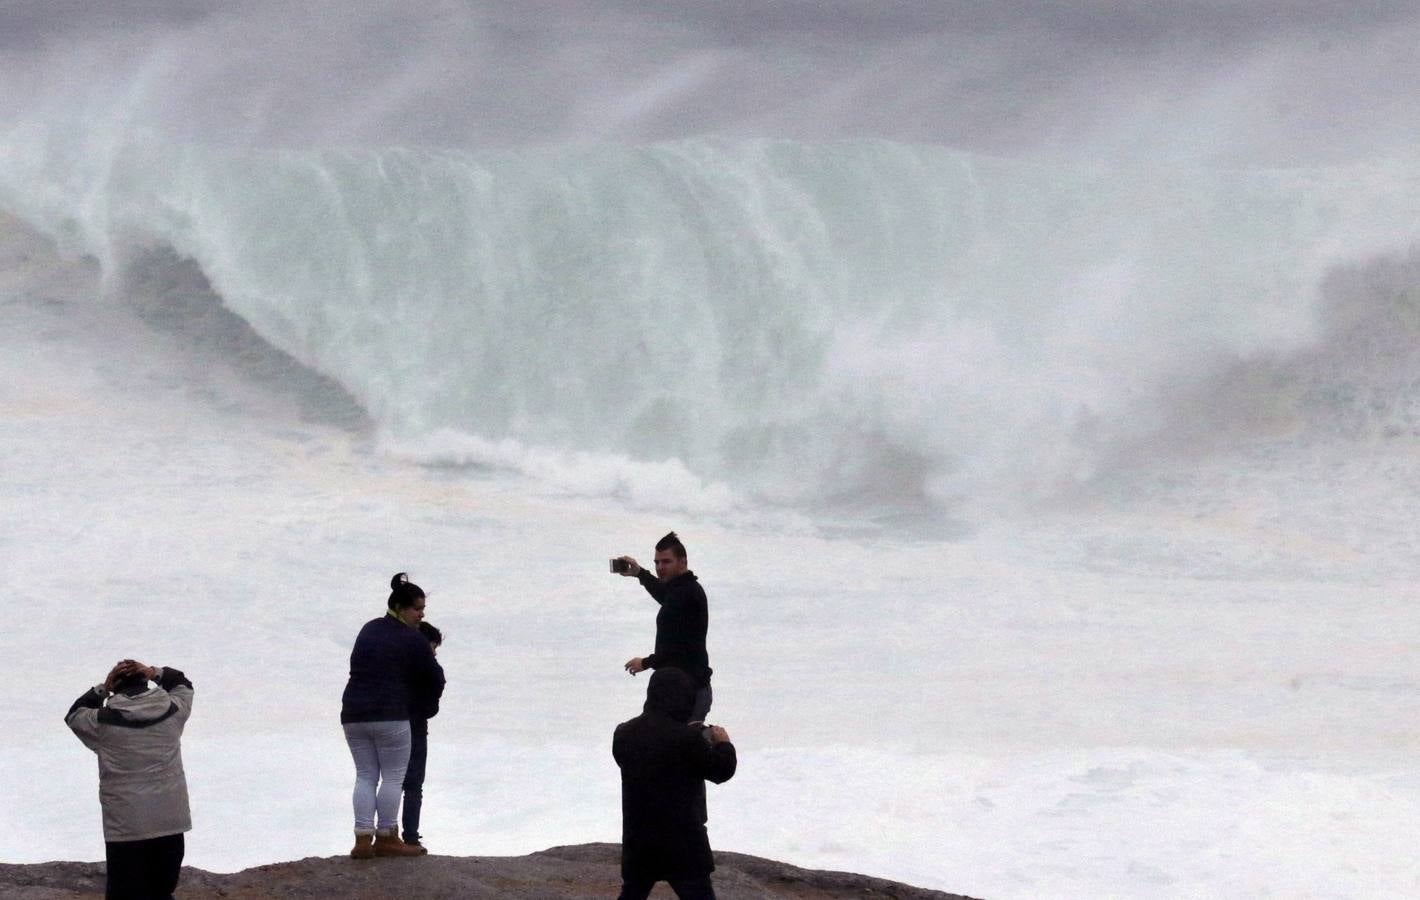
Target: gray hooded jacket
142,788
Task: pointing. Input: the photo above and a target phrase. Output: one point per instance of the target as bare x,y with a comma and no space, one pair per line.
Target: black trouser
414,784
685,888
143,870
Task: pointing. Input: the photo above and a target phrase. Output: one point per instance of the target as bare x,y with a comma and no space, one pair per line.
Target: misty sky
1279,82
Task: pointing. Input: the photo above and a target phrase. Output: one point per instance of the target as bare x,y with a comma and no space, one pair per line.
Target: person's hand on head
114,674
126,667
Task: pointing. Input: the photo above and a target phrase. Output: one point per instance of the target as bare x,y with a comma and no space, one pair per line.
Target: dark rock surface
586,870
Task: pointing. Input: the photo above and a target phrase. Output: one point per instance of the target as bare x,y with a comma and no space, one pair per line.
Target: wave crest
796,321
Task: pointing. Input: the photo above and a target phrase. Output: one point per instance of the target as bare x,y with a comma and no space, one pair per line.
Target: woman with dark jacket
393,673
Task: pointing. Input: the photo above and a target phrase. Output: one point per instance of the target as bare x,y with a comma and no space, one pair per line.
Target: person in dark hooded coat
665,763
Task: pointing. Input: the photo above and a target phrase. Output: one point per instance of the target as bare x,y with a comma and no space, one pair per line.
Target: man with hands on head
137,737
682,621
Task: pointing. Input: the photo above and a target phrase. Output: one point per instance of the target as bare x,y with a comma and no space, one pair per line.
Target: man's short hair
432,634
672,543
131,683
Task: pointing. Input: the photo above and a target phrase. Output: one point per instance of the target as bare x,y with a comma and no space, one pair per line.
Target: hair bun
397,580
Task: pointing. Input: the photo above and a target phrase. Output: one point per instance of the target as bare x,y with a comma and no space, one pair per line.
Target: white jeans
381,754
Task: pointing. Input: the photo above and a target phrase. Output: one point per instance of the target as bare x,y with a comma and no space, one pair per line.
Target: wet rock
581,871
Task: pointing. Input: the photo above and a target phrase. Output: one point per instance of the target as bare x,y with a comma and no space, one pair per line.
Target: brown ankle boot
364,846
387,843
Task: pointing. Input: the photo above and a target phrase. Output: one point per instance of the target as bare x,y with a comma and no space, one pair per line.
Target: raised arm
83,716
653,585
715,758
178,688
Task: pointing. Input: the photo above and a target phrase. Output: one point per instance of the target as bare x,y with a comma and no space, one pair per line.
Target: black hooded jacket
664,766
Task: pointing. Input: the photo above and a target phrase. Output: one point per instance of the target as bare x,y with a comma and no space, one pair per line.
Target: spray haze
797,250
1277,81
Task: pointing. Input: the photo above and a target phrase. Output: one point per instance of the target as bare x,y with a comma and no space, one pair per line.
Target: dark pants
685,888
414,784
701,709
143,870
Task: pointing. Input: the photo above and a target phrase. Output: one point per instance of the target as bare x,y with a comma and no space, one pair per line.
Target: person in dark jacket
137,736
682,621
393,674
419,750
665,763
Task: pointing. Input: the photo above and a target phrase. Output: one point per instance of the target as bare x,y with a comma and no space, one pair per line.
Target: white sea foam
666,486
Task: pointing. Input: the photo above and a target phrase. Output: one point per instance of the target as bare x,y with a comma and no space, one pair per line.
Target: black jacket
664,766
393,674
680,625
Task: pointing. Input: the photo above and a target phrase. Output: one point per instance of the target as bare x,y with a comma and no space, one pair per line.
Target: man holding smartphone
682,621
